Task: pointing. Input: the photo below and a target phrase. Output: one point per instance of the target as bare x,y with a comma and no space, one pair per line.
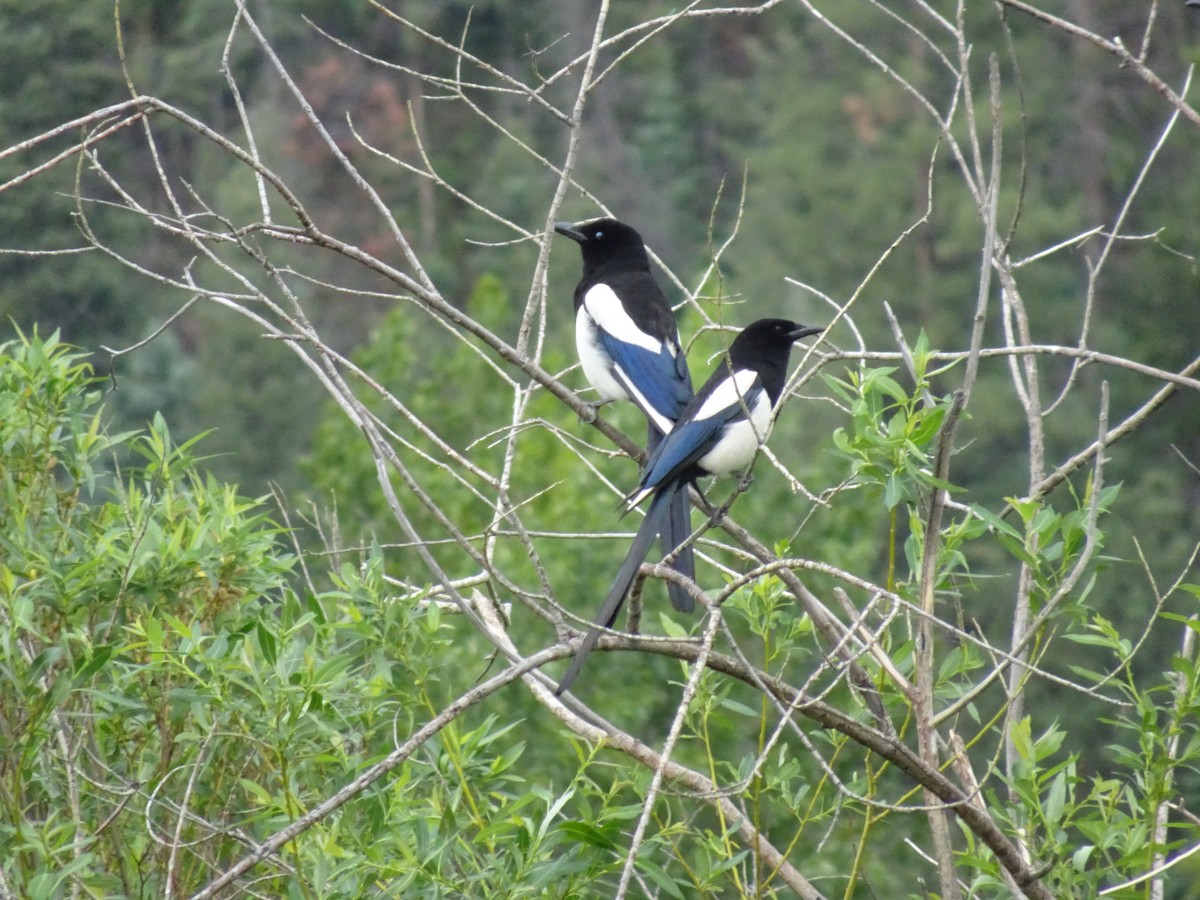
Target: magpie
718,432
629,349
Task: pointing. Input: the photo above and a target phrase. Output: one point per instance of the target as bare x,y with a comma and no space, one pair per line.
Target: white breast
597,365
740,441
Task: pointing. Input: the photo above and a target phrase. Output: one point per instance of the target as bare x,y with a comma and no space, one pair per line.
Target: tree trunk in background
1089,68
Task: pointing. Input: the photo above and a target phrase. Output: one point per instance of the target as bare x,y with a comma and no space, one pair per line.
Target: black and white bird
629,348
718,432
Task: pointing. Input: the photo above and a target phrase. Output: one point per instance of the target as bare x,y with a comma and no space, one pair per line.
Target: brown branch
595,730
890,747
826,624
924,705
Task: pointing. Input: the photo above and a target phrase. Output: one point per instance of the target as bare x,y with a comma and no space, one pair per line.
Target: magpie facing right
629,348
719,432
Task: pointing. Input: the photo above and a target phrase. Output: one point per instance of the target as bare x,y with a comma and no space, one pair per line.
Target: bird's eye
599,235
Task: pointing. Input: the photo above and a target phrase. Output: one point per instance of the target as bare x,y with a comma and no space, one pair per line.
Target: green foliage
891,430
150,615
175,688
115,613
890,444
1092,830
1098,827
166,687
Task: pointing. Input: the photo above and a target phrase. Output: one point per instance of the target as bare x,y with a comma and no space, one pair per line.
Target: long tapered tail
676,530
652,524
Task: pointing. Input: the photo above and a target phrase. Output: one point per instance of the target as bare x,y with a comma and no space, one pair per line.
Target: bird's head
765,346
605,240
774,333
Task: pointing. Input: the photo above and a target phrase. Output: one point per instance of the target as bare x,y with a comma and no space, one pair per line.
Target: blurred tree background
833,157
764,128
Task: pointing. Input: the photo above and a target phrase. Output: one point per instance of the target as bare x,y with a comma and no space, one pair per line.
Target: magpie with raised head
629,348
718,432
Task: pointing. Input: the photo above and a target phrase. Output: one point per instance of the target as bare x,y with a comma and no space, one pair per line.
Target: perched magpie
629,349
718,432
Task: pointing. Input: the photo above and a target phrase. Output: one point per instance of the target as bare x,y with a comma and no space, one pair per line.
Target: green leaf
879,380
1079,859
94,663
740,708
1056,800
266,642
672,628
587,833
1022,738
659,876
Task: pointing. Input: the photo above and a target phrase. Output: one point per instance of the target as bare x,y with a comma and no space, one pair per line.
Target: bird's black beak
804,331
568,229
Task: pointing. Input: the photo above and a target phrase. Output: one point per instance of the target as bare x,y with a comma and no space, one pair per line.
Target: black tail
676,530
652,524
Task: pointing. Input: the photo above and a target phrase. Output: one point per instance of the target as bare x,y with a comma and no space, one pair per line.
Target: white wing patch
602,309
607,311
730,392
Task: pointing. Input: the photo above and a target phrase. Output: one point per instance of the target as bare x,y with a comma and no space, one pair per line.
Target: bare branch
1126,59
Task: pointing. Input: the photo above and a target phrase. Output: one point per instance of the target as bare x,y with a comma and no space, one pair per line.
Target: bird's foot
592,410
717,513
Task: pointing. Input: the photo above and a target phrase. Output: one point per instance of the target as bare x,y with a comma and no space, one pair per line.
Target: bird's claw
592,410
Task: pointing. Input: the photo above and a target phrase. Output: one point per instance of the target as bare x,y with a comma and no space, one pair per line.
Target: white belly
740,441
597,366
